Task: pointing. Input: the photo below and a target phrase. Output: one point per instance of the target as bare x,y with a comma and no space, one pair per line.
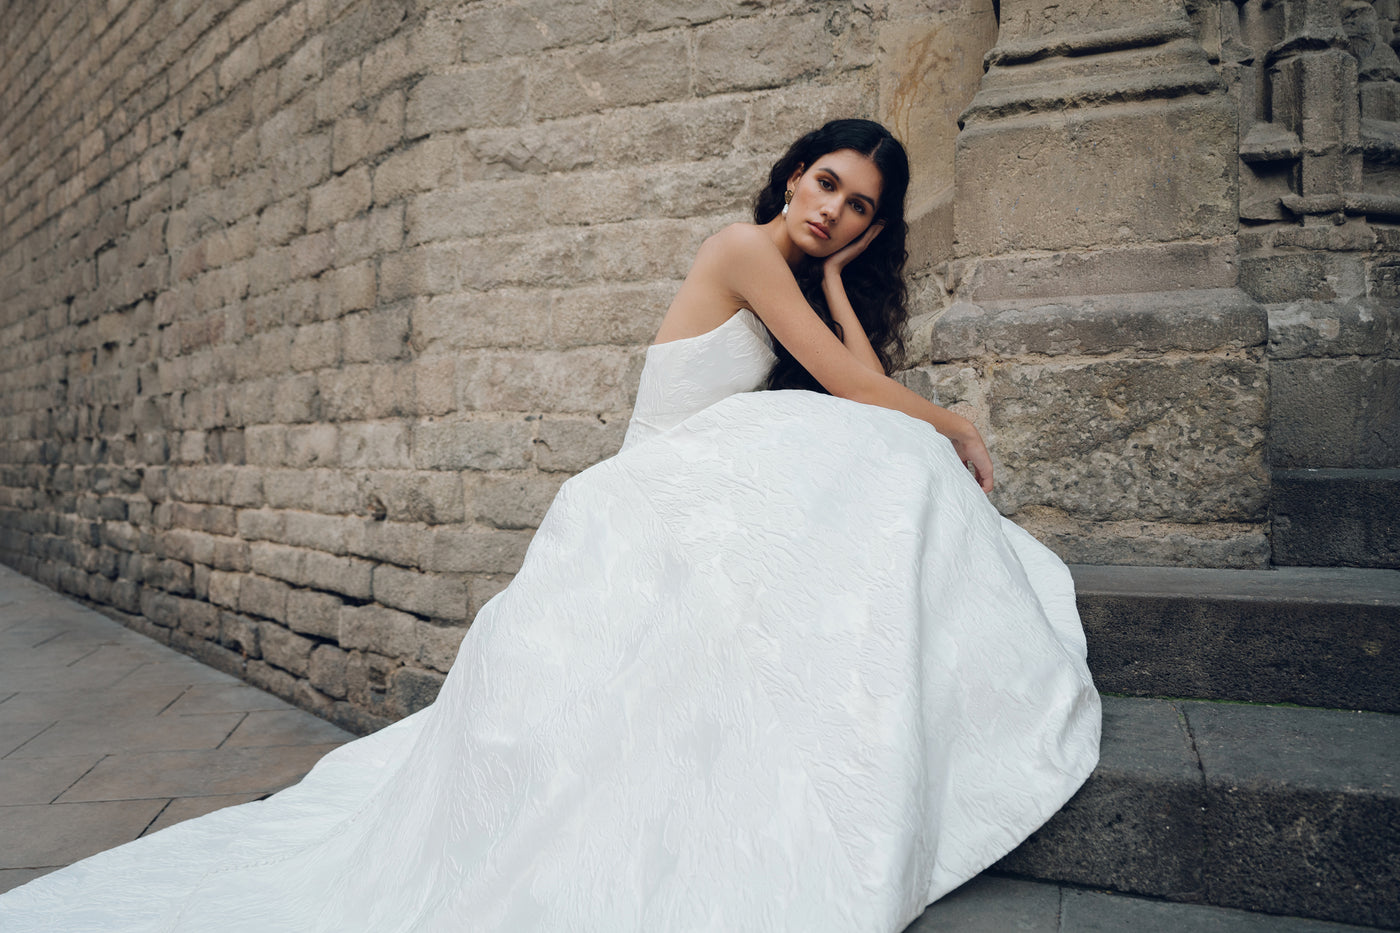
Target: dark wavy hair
875,279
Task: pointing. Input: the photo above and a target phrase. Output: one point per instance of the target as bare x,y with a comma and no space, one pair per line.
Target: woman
776,666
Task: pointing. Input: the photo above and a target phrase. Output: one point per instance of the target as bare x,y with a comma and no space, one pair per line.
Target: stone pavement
106,735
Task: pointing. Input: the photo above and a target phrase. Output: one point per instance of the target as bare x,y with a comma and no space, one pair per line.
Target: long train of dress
778,665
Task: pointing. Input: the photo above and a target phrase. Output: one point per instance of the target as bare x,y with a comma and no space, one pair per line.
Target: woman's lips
819,230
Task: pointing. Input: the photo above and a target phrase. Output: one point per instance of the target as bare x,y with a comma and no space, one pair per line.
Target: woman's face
833,201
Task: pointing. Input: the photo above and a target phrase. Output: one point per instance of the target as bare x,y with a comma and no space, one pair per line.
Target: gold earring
787,199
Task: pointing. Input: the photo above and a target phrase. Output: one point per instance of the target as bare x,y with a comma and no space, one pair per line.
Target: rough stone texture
1291,811
307,309
1337,518
1326,637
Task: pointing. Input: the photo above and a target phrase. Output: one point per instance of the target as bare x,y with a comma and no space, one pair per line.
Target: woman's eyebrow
832,173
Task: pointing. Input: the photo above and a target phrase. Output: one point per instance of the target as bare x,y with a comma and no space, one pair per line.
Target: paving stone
196,773
177,670
285,727
126,734
1100,912
224,698
187,808
988,904
15,734
53,705
40,780
53,836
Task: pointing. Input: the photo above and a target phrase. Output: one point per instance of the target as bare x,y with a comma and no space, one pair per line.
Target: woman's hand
967,441
840,259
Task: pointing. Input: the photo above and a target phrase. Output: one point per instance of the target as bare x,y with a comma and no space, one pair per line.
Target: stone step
1284,810
1324,637
1336,518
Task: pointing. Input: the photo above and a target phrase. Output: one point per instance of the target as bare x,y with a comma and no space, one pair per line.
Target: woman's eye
826,185
858,207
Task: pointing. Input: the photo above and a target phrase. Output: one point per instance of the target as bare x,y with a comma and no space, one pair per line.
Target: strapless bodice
686,376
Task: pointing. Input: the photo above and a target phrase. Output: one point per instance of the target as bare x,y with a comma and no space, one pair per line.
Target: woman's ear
796,174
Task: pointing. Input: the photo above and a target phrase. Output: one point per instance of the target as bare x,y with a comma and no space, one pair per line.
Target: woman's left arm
852,333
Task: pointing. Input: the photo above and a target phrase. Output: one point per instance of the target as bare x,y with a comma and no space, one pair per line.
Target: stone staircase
1205,794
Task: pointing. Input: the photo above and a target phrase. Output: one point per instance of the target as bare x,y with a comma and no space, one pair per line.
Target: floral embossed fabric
778,665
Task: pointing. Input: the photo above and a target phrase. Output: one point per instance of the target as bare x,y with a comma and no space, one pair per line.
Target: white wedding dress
778,665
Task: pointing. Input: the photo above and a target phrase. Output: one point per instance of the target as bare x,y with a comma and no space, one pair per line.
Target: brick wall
308,308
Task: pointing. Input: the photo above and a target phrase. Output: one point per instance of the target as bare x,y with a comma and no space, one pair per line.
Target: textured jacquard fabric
778,665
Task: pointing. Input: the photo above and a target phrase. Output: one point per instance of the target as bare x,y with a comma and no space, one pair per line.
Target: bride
778,665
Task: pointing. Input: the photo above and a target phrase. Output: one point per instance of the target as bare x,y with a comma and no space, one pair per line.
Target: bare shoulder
739,245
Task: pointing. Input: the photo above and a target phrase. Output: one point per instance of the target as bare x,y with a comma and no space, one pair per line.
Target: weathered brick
517,499
506,317
326,670
438,645
357,137
314,613
467,549
434,595
587,379
340,198
489,95
285,649
422,167
378,629
476,444
376,335
262,596
765,52
614,74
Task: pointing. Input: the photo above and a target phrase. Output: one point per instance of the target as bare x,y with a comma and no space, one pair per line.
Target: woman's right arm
747,264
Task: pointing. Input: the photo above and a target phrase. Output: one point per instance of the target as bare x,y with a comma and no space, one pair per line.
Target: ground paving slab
106,735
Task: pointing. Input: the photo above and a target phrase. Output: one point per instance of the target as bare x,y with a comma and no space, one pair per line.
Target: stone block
313,613
285,649
532,26
263,596
1305,275
438,645
555,146
1098,177
375,628
586,379
1139,823
1167,267
1302,808
310,445
574,444
357,137
1179,440
609,315
490,95
340,198
606,75
515,500
391,542
496,206
432,595
346,575
381,445
466,549
431,269
1310,328
412,689
302,69
326,670
1341,413
1195,321
488,443
423,166
762,52
1336,518
374,336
